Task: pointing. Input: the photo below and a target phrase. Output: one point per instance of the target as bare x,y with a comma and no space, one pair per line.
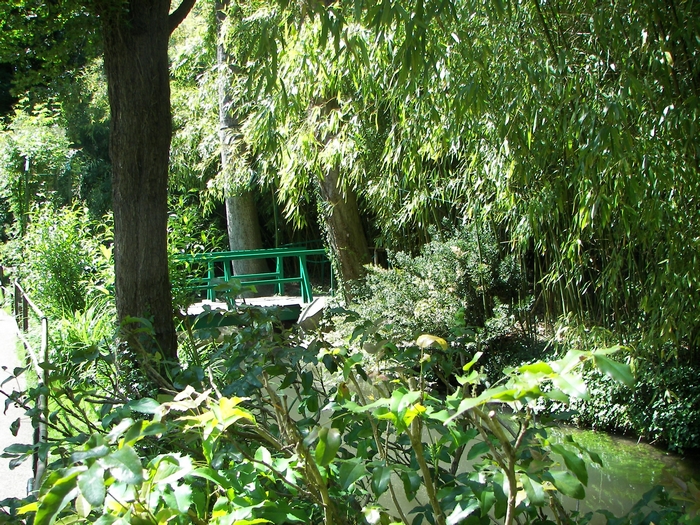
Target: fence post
279,270
42,433
17,309
25,314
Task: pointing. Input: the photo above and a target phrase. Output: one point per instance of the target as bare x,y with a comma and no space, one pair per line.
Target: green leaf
411,482
567,484
534,490
461,511
98,451
573,359
183,497
124,465
471,363
328,444
460,437
92,485
144,405
14,426
142,429
118,430
170,468
167,513
212,475
63,489
571,385
618,371
557,395
18,448
82,507
350,471
595,457
539,367
501,504
573,462
381,475
478,450
471,402
106,519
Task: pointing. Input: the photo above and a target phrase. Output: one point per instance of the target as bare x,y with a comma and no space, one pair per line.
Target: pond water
630,469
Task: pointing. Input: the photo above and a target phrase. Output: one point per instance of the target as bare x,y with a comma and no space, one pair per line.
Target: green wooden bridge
209,271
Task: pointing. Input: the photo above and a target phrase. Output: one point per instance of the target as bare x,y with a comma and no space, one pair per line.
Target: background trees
565,130
571,141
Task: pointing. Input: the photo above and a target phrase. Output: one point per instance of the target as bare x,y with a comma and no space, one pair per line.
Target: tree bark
136,35
342,219
345,231
244,232
241,211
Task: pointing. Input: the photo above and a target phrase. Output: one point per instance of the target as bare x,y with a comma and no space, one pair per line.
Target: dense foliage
531,168
263,430
664,407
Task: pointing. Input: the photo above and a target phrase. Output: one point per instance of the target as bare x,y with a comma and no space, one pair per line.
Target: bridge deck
289,308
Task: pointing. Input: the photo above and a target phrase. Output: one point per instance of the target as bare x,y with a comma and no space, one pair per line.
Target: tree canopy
565,129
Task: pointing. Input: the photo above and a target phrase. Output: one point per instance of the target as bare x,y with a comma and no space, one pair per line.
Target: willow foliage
568,126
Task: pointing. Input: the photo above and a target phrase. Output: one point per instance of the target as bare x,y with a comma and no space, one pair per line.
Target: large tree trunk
345,231
136,36
342,220
244,232
241,211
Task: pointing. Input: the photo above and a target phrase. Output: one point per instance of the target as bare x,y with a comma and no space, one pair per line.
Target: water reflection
630,469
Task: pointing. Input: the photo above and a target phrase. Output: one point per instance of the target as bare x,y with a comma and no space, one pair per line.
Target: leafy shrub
276,432
64,260
458,280
460,288
77,338
663,408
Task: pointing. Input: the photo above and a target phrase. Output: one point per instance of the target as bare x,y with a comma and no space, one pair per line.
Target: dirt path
13,483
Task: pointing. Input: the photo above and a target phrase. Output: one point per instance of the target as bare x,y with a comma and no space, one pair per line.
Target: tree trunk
136,36
241,211
342,219
345,231
244,232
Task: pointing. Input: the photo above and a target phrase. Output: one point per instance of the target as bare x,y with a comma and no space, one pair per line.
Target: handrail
277,277
22,304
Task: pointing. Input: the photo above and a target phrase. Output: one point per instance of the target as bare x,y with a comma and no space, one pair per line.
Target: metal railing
23,308
220,262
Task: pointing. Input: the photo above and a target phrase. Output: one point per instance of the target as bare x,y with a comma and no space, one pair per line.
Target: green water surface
630,469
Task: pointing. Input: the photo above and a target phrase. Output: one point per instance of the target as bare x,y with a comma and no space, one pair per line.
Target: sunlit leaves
329,442
618,371
567,484
63,489
559,380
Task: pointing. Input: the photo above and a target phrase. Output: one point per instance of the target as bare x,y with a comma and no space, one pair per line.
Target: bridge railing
24,310
219,268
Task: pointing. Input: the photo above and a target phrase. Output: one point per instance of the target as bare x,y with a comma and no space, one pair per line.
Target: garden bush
460,287
265,430
462,275
62,259
76,339
663,408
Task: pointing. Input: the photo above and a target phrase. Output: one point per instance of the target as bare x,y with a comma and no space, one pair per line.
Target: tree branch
176,17
547,33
